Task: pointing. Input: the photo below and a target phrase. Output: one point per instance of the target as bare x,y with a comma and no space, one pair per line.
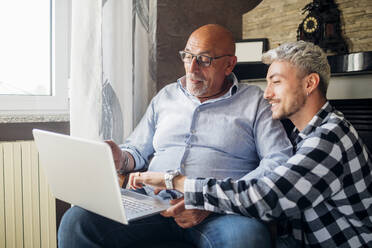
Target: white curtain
111,83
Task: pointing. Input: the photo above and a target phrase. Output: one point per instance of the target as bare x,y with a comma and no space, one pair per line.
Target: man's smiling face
285,91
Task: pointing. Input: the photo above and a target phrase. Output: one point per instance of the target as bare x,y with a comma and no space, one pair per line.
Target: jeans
81,228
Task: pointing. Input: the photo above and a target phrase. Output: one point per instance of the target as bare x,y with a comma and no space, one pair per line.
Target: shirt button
183,165
188,146
193,131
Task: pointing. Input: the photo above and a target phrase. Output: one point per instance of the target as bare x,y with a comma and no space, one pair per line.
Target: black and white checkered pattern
324,190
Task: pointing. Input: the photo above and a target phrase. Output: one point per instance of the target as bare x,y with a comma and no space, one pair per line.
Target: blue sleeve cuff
138,165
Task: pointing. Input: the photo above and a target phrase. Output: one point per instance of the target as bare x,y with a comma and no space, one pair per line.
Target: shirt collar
315,122
233,89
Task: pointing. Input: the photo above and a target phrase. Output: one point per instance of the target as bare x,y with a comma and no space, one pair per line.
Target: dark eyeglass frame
199,58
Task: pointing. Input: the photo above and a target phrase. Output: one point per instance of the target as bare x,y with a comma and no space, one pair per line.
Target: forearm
221,196
228,196
284,191
140,142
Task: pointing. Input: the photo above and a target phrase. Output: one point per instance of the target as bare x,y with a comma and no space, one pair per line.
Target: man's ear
230,65
312,82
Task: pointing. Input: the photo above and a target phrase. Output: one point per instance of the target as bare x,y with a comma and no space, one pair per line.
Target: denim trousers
82,228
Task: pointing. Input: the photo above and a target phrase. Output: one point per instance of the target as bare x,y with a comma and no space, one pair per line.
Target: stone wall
278,21
176,19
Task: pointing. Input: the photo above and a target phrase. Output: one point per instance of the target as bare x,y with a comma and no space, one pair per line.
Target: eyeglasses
202,60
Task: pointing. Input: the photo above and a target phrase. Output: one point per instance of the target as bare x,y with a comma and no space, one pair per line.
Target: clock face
310,25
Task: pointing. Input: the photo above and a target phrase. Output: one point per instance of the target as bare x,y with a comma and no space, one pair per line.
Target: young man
324,191
207,124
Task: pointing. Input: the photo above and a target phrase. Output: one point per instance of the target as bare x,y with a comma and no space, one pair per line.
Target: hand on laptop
124,162
185,218
118,155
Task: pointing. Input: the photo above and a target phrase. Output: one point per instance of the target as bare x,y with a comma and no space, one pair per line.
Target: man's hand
124,162
155,179
185,218
117,154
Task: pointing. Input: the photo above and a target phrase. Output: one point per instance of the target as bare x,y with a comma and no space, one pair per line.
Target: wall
284,16
340,87
176,19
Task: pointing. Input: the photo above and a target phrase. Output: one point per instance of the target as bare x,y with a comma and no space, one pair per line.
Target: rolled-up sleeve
140,143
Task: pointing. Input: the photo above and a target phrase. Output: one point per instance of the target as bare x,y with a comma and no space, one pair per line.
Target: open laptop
82,172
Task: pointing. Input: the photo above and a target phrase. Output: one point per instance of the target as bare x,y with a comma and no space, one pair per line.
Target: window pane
25,47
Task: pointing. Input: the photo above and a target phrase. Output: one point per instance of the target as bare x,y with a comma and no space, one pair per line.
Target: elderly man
325,189
205,125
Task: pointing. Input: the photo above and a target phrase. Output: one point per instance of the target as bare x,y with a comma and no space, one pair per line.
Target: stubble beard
296,104
291,107
196,90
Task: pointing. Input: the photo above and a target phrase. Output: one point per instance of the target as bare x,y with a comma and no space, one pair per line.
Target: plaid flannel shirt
324,190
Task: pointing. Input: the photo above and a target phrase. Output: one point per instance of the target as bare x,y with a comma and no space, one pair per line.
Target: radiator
27,208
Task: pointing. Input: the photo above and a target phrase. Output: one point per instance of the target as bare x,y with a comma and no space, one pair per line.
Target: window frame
58,102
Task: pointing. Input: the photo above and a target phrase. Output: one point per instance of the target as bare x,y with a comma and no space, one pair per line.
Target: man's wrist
169,176
178,183
125,165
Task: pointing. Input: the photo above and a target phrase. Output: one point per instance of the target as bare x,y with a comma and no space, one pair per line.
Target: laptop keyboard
132,205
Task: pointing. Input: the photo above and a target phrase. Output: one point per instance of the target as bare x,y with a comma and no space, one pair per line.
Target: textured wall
176,19
278,21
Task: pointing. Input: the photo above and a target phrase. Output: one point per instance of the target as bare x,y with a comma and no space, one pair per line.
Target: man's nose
194,66
268,93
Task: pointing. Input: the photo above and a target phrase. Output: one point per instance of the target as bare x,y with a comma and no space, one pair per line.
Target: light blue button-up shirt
228,136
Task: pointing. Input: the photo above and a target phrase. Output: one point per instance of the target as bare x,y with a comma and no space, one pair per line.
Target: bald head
211,58
215,38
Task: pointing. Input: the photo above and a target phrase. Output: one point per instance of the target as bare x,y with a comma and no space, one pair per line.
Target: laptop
82,172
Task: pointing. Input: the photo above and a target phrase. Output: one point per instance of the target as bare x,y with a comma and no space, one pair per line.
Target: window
34,57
